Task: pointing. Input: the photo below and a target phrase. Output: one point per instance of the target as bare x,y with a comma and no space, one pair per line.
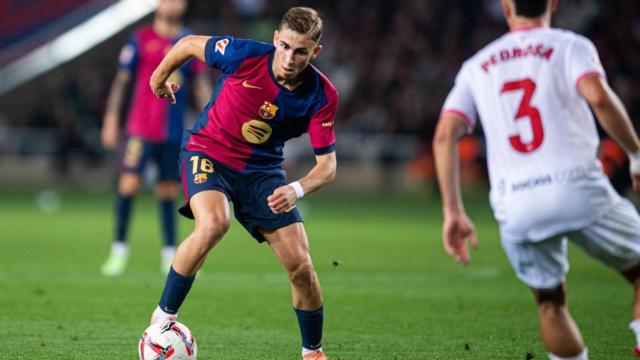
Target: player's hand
456,231
283,199
166,90
110,131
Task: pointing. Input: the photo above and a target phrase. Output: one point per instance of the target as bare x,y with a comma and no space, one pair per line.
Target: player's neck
523,23
166,28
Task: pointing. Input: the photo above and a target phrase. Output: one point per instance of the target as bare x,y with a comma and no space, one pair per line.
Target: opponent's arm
186,48
457,227
614,119
284,197
111,120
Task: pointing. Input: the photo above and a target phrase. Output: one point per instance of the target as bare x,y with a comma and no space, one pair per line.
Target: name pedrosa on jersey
539,50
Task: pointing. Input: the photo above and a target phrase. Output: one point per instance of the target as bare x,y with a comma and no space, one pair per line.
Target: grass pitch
390,290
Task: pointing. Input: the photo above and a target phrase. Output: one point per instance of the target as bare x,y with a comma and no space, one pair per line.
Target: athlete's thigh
210,207
290,243
614,239
540,265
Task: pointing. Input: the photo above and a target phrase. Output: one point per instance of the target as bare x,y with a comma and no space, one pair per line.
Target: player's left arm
614,119
186,48
284,197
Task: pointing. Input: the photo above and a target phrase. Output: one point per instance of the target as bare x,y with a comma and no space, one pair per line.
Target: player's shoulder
143,31
246,47
322,83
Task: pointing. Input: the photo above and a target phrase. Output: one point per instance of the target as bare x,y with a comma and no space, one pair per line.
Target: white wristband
298,189
634,162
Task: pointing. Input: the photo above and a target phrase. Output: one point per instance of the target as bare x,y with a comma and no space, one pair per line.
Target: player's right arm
186,48
111,121
614,119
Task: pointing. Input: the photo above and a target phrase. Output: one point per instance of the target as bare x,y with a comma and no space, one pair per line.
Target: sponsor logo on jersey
327,124
249,86
200,178
267,110
256,131
221,45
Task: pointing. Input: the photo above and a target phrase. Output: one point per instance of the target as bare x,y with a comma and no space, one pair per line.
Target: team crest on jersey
256,131
267,111
200,178
221,45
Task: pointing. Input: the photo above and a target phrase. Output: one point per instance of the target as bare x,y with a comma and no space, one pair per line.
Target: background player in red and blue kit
153,128
267,94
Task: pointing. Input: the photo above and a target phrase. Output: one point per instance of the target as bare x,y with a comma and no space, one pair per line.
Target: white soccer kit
541,138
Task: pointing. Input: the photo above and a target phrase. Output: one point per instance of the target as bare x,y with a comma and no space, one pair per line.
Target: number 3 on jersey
525,110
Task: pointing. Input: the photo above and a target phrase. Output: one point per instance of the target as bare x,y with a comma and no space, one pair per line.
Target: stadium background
391,290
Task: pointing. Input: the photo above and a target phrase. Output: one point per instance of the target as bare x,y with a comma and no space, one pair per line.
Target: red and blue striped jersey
251,116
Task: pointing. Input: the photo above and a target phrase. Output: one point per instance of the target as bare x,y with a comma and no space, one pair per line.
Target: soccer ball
169,340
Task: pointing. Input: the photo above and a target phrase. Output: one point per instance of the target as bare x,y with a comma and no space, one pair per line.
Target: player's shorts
136,152
247,190
613,239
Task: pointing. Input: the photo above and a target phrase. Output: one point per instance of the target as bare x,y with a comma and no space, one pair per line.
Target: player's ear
554,6
316,51
276,35
506,8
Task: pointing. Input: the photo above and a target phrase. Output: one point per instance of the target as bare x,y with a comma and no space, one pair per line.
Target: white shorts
614,239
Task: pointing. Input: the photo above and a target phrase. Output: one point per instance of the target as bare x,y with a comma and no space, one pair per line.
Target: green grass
394,295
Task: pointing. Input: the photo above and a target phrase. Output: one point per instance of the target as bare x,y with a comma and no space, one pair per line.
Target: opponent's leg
166,192
211,213
560,334
128,187
292,248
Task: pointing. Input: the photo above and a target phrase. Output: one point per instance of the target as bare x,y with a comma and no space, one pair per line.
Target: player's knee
211,232
549,299
302,273
128,185
166,190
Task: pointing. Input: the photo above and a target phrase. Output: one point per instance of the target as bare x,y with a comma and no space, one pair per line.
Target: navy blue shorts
247,190
136,152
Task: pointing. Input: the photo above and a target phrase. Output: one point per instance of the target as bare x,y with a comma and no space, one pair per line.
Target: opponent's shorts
247,190
613,239
136,152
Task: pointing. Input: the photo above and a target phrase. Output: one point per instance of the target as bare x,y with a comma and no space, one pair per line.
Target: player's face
293,53
171,9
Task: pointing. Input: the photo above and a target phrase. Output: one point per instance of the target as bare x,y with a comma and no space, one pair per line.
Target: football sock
310,328
119,248
635,327
175,290
168,215
123,213
168,253
582,356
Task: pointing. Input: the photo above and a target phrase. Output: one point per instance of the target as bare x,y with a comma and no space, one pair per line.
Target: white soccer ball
167,341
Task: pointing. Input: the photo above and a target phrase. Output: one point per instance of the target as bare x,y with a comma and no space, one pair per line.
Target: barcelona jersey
153,119
250,115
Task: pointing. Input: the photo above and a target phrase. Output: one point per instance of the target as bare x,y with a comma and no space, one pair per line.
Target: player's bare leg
167,192
560,333
212,216
128,187
291,245
633,276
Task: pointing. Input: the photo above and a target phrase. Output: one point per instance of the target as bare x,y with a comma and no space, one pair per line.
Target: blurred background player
153,128
532,89
267,94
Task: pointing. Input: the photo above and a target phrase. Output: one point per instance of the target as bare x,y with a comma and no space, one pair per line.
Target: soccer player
532,89
153,130
267,94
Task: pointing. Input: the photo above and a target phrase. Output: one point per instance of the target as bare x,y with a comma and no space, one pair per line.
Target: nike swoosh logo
247,85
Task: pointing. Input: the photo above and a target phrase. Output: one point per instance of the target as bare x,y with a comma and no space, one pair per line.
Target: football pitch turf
390,290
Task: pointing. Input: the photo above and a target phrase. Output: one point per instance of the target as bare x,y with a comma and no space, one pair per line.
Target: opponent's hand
110,131
283,199
166,90
456,231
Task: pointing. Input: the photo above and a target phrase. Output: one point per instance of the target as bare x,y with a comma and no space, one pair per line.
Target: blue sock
123,214
175,290
168,214
311,327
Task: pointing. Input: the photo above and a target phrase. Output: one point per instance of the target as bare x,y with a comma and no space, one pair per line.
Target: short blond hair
303,20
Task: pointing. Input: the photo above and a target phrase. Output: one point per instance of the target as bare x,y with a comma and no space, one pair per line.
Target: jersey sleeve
321,134
583,61
128,58
226,53
460,101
